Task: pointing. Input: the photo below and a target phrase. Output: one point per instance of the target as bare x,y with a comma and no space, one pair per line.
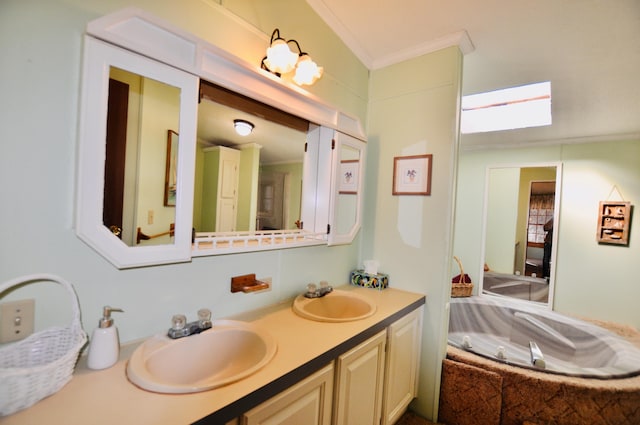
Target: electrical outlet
16,320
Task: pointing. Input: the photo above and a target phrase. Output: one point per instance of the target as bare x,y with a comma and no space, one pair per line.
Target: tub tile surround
476,387
107,397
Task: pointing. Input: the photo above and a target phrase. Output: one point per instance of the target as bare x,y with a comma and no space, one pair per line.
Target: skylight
507,109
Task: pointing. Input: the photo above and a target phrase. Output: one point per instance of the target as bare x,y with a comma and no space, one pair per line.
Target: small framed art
412,175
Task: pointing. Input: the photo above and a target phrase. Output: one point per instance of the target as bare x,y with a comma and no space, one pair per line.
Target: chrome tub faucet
537,359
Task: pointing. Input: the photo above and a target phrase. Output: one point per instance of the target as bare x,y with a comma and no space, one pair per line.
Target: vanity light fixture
243,128
281,60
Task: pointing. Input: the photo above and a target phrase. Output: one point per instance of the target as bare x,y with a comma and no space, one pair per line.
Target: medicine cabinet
137,180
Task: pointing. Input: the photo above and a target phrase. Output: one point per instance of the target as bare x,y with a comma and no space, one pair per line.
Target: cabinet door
306,403
228,175
226,215
359,379
404,339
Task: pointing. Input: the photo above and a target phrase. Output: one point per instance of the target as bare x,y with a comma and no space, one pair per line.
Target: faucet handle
204,314
311,287
204,318
178,321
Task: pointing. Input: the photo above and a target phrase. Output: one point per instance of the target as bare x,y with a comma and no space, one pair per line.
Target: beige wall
592,280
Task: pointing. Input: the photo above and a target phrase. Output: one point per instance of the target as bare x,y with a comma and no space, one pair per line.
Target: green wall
501,225
592,280
414,110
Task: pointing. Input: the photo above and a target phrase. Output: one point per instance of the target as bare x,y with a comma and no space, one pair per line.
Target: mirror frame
556,218
148,38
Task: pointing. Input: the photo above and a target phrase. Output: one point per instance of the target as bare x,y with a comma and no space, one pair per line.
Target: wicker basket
461,285
42,363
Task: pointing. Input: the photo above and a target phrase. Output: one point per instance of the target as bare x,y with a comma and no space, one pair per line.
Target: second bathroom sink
336,306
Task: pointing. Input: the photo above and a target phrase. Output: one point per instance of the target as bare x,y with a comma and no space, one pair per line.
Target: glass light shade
280,58
307,71
243,128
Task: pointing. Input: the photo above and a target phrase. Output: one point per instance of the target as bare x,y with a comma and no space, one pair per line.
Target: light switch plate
16,320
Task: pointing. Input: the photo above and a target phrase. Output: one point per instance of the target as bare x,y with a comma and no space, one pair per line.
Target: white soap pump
104,348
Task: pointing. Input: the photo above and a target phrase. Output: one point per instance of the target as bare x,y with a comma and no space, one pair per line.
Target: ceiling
588,49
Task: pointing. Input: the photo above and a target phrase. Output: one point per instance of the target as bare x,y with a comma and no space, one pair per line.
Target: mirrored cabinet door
346,198
136,156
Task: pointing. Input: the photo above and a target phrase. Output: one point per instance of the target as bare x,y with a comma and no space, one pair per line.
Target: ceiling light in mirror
242,127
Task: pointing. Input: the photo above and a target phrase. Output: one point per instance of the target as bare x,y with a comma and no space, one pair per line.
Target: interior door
116,145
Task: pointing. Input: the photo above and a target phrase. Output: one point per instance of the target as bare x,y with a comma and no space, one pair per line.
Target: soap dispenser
104,348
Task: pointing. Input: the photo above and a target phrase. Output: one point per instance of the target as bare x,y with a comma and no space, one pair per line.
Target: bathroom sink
336,306
228,352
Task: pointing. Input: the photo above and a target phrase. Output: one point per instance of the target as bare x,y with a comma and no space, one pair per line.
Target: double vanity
303,370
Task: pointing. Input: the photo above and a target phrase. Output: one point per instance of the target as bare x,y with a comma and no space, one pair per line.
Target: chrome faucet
315,292
180,328
537,359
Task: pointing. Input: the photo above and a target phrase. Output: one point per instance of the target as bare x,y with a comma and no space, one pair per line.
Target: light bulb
307,71
280,58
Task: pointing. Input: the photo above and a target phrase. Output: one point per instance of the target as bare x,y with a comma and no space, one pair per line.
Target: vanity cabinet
308,402
373,383
404,339
359,380
220,189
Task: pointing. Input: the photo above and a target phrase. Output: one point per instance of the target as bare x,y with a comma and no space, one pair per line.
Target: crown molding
460,38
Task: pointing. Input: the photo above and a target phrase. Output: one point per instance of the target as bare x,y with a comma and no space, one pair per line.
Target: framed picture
170,176
412,175
349,177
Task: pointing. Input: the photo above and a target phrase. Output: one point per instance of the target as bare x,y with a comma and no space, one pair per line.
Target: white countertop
107,397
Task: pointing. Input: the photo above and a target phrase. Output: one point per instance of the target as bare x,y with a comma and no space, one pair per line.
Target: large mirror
140,176
186,186
520,245
263,189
